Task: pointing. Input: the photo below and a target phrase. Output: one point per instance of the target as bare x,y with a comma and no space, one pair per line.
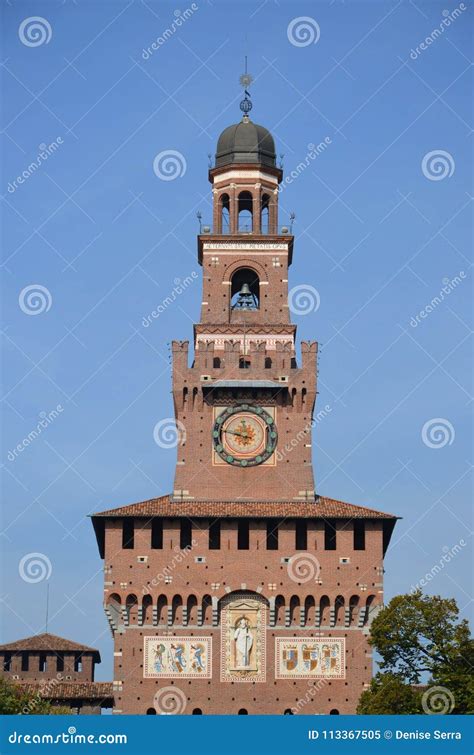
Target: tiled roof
70,690
321,508
47,641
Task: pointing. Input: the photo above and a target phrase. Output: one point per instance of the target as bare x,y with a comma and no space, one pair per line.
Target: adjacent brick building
58,670
243,591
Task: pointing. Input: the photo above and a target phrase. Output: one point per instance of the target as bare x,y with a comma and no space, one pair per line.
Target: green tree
389,695
14,699
418,635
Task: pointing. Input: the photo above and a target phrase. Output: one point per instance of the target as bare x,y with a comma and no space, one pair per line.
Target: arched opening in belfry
245,212
245,289
224,213
265,214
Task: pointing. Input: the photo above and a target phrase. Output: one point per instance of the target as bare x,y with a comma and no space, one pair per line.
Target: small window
359,535
78,662
151,712
301,535
272,535
215,535
243,712
25,661
197,712
329,536
7,662
128,534
288,712
244,364
268,363
216,362
156,533
243,534
60,662
185,536
334,712
43,663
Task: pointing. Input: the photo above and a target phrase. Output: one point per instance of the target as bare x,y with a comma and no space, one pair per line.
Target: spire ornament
245,81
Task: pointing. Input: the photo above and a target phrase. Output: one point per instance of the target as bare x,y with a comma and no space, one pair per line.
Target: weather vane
245,81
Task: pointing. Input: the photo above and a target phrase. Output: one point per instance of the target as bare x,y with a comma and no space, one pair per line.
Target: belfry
243,591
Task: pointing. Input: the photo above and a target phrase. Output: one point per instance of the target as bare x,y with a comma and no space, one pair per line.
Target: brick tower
243,591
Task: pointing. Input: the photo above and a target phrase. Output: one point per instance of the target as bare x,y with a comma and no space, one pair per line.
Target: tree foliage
389,695
419,636
15,699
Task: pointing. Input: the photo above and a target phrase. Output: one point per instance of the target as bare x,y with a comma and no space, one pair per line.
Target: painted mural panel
307,657
177,657
243,639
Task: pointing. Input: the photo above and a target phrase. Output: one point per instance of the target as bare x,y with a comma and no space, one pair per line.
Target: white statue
243,643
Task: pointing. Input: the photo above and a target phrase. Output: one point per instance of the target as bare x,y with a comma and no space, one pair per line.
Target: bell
245,299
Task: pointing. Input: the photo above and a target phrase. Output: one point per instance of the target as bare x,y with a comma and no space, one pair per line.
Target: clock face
244,435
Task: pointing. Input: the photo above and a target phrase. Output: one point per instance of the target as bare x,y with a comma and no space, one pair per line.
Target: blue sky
376,235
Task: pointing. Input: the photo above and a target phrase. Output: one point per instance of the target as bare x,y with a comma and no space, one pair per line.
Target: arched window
294,610
243,712
288,712
114,607
151,712
324,607
162,609
192,609
309,611
265,214
147,609
197,712
177,609
279,609
334,712
268,363
132,609
244,364
339,610
224,215
245,212
216,363
245,279
206,609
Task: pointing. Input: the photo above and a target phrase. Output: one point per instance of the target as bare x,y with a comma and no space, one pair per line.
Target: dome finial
245,81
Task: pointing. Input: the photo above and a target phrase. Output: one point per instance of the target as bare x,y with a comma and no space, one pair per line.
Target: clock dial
244,435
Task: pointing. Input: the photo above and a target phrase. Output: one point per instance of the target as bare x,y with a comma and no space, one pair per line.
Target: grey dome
245,142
